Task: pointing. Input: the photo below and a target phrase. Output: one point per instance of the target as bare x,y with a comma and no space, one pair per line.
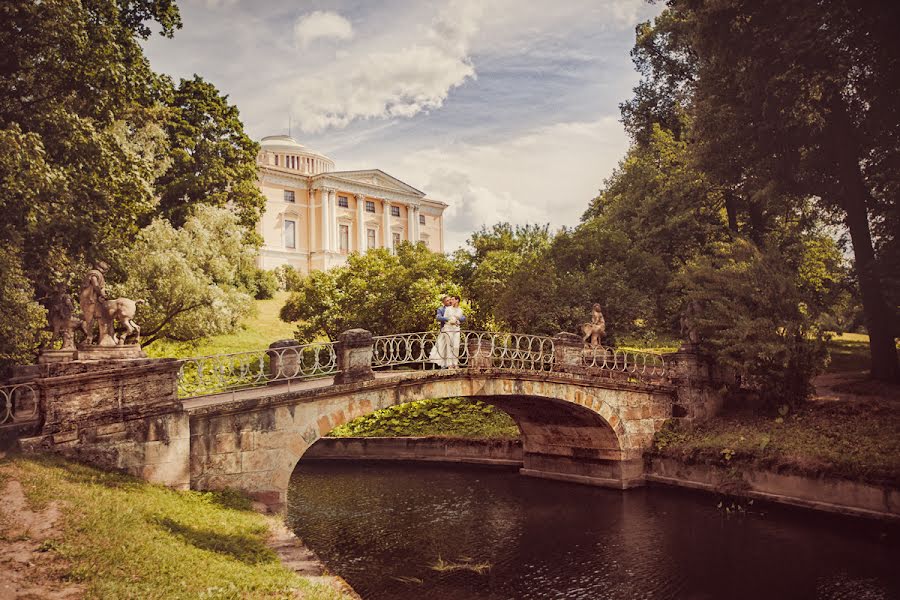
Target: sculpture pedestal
110,352
46,357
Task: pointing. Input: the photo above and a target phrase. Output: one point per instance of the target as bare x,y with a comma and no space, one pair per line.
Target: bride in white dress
446,349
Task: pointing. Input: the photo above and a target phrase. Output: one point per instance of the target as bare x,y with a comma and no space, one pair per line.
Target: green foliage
452,417
22,320
289,278
191,277
379,291
263,284
213,159
754,319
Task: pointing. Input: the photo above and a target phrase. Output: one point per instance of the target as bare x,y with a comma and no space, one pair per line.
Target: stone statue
688,324
123,311
60,316
596,329
93,301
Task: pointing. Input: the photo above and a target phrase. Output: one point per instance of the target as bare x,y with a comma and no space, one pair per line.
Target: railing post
354,356
479,351
283,363
568,352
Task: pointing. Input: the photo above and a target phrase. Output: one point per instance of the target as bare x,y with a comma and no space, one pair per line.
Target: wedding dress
446,349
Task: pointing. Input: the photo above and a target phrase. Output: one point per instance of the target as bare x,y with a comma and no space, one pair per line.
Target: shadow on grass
848,355
245,548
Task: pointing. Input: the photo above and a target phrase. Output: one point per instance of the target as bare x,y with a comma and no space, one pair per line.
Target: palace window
344,237
290,234
370,206
370,238
396,239
421,219
276,160
395,211
343,202
289,195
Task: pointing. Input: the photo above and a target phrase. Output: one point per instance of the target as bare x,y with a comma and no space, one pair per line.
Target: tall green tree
802,97
213,159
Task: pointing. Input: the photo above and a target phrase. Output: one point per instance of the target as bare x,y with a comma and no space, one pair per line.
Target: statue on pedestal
689,328
596,329
60,316
93,304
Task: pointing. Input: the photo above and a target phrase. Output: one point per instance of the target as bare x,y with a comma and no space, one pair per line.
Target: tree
486,267
192,278
214,160
379,291
802,97
73,78
756,318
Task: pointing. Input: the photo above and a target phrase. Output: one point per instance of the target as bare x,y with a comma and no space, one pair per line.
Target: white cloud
321,25
545,175
398,82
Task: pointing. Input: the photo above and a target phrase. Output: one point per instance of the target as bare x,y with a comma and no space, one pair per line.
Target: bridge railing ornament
641,363
19,403
205,375
474,349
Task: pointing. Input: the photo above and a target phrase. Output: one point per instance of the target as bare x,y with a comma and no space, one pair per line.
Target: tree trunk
878,317
731,210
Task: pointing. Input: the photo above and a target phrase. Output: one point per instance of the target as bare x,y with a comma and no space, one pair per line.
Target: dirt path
27,572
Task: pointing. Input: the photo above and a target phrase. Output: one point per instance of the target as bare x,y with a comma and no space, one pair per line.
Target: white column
416,229
311,224
387,238
332,215
410,216
323,202
360,227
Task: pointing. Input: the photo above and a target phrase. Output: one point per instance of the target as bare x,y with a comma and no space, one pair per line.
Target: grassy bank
118,537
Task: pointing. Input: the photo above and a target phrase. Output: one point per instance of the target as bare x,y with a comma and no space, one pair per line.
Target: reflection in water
383,526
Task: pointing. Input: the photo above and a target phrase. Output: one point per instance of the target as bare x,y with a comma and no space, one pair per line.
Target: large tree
213,159
800,98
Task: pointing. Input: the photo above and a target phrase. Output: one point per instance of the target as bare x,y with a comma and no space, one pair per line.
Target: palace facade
315,216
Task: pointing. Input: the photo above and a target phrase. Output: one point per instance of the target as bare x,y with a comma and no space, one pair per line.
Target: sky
506,110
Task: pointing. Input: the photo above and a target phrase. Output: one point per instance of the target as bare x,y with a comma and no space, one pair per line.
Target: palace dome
285,152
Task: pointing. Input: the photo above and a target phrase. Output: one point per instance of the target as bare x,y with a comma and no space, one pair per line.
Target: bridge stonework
579,424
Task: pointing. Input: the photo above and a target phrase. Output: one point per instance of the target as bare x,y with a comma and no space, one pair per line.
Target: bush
265,284
289,278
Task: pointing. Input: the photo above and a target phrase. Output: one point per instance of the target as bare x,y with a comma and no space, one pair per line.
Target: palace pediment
376,178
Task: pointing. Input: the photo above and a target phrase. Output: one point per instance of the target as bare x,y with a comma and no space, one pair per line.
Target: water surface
384,526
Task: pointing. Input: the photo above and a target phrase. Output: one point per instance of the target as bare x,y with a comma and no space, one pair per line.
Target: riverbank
69,531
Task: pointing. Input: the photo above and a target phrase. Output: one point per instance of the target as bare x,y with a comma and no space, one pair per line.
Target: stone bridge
244,420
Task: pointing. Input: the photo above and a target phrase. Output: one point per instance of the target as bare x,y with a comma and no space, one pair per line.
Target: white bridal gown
446,349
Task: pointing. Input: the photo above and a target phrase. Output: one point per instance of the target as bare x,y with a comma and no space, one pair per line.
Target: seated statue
596,329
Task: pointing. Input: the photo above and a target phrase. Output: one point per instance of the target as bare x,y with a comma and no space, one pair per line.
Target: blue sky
507,111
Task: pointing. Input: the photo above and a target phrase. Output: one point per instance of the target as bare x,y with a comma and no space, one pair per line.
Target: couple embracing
445,352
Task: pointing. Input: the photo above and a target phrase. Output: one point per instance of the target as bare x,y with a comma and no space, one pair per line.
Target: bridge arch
573,428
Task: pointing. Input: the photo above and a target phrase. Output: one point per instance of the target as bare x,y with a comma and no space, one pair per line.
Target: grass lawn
849,352
119,537
255,334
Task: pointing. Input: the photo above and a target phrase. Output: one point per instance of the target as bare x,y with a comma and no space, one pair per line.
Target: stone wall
428,449
123,415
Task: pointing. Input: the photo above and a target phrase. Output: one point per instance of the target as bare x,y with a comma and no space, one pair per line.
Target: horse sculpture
123,311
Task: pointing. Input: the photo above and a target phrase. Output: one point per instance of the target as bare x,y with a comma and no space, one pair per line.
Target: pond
437,531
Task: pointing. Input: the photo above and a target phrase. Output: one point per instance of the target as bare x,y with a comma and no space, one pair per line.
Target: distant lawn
849,352
255,334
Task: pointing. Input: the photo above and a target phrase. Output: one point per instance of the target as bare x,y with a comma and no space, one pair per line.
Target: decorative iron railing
640,363
206,375
19,403
478,349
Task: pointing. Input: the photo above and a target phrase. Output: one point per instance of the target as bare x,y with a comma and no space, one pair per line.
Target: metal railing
19,403
464,349
204,375
640,363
